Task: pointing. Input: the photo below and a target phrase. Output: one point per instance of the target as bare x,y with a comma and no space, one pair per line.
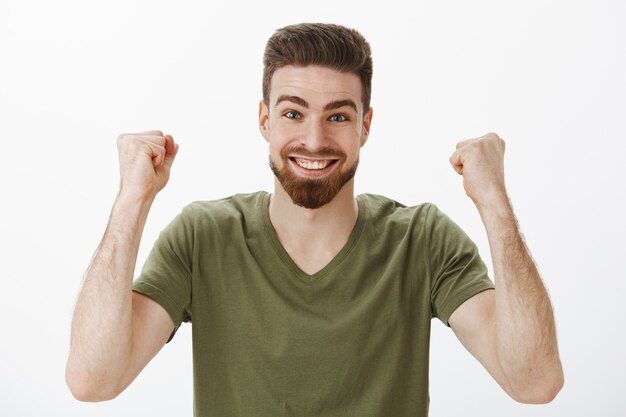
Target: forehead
317,85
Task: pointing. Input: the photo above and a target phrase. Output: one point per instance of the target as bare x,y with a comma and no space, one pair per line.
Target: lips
313,164
314,167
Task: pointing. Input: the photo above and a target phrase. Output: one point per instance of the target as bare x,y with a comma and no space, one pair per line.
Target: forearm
102,326
525,334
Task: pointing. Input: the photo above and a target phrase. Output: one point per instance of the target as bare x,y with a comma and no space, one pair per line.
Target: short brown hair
328,45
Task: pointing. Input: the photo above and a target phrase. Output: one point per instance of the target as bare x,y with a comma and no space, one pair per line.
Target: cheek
349,133
283,132
280,136
275,147
355,153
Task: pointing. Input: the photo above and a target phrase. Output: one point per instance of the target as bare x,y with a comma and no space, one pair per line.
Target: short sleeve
456,268
166,274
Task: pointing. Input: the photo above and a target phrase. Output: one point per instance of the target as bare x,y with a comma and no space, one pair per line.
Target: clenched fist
481,163
145,162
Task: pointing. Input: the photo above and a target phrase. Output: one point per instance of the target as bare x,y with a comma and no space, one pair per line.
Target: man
309,301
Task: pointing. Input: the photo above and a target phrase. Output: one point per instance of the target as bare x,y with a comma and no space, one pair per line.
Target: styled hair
328,45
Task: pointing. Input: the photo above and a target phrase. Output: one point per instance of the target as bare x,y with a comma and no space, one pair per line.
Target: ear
367,122
264,120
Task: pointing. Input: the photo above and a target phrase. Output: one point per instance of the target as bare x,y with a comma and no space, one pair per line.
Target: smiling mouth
313,164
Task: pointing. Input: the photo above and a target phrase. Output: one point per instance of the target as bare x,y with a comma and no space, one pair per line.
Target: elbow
542,392
85,389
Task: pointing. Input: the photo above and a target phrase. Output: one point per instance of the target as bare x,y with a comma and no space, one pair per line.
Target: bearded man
310,301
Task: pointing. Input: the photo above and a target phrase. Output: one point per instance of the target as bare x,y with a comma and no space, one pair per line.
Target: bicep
152,327
473,323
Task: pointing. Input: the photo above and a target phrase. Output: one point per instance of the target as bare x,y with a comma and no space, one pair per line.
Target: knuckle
127,138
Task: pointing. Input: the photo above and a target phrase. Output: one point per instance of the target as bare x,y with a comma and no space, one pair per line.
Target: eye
292,115
338,118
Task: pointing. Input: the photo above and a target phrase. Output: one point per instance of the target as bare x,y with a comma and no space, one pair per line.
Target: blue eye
292,115
338,118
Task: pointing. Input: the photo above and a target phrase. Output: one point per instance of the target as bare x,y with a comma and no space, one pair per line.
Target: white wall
548,76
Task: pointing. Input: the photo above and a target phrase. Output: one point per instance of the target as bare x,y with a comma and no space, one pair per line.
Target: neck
326,226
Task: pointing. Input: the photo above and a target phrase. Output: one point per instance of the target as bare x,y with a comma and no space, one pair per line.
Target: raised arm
511,330
116,332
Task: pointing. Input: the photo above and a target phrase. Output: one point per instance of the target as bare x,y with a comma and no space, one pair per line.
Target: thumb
456,162
171,149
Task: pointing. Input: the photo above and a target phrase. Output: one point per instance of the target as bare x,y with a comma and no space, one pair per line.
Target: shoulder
235,206
384,209
388,218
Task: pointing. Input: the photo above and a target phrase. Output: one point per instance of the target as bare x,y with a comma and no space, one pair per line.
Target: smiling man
311,301
313,178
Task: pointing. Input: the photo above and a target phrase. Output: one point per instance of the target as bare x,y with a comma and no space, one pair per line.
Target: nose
315,136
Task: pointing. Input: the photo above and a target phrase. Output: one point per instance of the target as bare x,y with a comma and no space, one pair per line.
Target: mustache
326,152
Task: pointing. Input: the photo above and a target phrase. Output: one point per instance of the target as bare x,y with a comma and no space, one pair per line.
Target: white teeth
312,164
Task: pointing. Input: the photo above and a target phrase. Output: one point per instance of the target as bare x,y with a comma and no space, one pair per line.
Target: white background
548,76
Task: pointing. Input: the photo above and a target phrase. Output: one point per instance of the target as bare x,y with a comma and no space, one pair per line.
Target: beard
312,193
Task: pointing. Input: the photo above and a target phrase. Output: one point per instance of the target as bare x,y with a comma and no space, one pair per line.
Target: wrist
135,195
132,203
495,206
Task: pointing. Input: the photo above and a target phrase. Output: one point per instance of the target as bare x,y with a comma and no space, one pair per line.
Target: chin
312,193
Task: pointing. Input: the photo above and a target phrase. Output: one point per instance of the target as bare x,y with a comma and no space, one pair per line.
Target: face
315,125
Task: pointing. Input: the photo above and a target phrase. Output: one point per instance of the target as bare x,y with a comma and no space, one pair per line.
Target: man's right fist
145,162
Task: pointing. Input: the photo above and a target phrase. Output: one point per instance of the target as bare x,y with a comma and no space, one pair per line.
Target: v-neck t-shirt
350,340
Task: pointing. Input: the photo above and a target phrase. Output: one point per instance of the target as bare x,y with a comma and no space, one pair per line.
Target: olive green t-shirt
270,340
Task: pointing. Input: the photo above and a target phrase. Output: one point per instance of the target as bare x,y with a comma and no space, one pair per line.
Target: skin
510,330
116,332
313,237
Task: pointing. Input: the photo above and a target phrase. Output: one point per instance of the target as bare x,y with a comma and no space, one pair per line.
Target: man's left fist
481,163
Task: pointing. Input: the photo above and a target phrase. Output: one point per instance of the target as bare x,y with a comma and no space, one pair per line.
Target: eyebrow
302,102
294,99
340,103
